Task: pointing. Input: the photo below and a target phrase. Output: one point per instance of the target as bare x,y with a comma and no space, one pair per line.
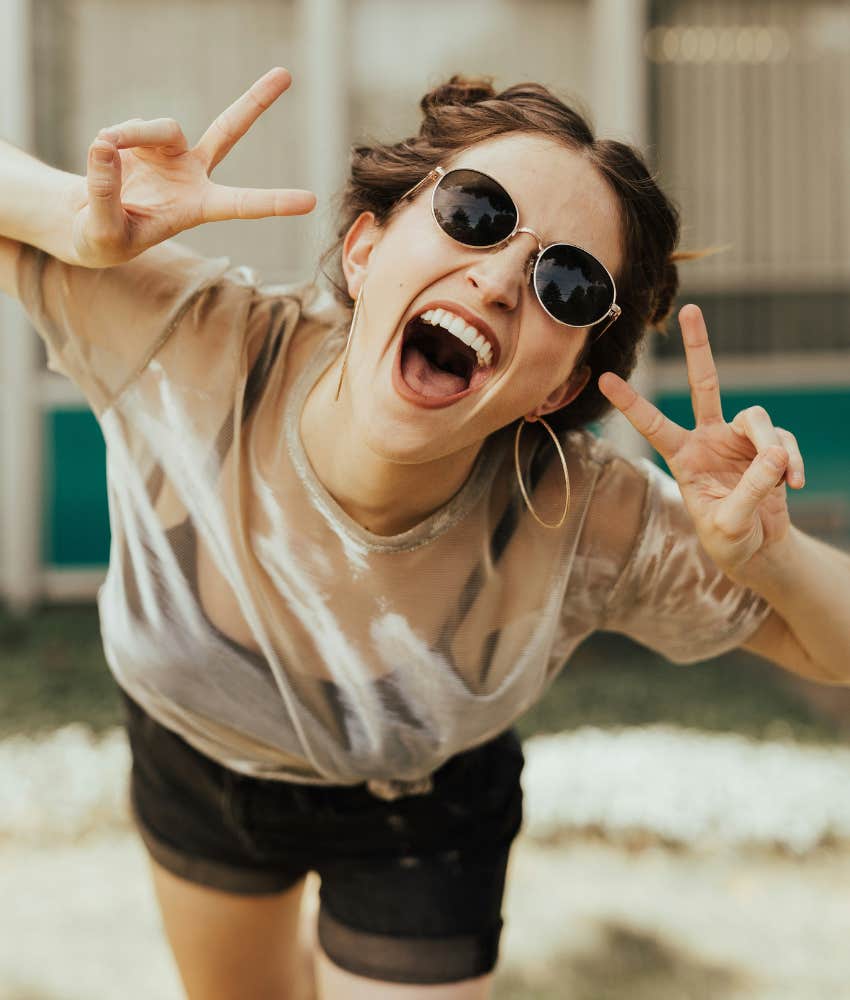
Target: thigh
426,911
233,920
335,983
234,947
418,920
183,805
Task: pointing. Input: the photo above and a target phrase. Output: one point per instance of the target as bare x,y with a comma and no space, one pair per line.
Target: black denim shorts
411,888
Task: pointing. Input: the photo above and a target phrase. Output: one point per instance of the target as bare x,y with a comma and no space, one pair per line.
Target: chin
399,440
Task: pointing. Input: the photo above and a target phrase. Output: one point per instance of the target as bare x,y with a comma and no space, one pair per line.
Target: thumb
763,475
103,179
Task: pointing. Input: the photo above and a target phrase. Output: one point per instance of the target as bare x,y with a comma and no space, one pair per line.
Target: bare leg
337,984
232,947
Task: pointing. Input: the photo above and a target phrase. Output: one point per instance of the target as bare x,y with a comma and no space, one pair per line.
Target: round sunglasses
471,207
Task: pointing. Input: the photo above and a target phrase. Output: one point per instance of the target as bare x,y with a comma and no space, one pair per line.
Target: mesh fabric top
245,610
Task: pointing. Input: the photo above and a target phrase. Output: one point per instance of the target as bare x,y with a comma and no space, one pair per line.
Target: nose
499,275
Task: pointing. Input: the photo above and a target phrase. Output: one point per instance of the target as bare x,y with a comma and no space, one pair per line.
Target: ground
588,916
584,920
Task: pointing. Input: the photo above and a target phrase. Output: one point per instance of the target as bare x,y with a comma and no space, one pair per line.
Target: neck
384,497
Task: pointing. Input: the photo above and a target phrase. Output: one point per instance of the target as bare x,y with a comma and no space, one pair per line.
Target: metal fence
751,131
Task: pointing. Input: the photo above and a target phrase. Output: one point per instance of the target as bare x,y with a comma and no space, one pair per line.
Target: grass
611,681
624,961
54,672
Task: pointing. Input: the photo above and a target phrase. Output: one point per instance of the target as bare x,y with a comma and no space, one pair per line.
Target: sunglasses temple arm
428,177
616,316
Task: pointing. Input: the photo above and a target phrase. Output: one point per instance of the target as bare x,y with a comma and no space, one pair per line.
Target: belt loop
391,789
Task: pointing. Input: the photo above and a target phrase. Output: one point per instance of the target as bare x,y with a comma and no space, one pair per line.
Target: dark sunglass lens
573,285
473,209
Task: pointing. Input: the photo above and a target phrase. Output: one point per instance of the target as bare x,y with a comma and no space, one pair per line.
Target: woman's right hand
144,184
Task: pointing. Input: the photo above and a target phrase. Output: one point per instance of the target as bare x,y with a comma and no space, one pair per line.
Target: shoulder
622,491
618,472
305,307
611,471
316,304
295,314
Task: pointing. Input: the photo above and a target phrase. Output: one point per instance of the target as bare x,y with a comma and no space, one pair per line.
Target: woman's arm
37,206
94,264
733,478
144,184
8,266
807,582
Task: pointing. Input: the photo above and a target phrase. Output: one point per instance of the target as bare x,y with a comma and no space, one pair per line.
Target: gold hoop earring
519,472
357,302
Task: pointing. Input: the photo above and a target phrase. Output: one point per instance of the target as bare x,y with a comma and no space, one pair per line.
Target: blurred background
741,106
743,109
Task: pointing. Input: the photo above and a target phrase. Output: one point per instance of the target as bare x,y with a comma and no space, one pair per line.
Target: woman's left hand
731,476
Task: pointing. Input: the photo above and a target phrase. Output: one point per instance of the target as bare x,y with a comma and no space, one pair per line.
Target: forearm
808,584
38,202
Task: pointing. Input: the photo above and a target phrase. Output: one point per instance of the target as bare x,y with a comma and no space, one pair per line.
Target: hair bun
462,90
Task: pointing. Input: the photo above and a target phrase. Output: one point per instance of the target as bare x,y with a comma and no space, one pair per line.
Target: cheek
413,256
545,348
546,358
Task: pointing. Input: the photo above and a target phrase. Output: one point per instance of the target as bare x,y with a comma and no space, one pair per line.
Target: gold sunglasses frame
438,173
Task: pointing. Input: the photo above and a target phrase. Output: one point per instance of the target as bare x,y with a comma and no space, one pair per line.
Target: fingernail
111,135
104,154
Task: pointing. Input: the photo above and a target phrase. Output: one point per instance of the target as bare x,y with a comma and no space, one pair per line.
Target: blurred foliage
612,681
54,672
624,961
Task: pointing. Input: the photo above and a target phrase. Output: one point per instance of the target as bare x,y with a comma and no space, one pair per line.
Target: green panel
819,418
76,516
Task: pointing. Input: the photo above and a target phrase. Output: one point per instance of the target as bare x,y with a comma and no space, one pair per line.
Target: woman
339,569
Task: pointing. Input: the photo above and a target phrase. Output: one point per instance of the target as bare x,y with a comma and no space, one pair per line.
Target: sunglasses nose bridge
532,233
531,257
497,275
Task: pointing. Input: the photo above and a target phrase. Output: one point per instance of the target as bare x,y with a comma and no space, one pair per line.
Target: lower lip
426,402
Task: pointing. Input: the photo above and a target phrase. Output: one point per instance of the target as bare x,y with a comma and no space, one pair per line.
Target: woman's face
411,264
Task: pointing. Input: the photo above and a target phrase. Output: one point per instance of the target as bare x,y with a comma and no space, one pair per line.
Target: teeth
459,328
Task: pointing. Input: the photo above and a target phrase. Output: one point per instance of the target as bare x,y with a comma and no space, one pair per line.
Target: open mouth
436,364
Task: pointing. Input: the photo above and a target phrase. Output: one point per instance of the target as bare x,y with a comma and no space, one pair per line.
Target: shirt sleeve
101,326
670,595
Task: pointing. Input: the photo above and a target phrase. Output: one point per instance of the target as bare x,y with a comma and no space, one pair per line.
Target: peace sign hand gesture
144,184
731,476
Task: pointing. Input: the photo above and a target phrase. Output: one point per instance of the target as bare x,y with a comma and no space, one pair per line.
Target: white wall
754,108
20,441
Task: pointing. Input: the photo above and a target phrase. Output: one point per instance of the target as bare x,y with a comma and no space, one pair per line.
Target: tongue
427,379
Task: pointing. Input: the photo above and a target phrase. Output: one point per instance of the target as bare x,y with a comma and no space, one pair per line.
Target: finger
103,180
755,424
702,373
763,475
234,122
164,132
796,475
665,436
255,203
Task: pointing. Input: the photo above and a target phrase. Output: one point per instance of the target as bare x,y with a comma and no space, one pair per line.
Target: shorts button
396,821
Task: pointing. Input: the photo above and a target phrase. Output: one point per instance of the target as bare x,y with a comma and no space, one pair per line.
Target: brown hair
466,111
